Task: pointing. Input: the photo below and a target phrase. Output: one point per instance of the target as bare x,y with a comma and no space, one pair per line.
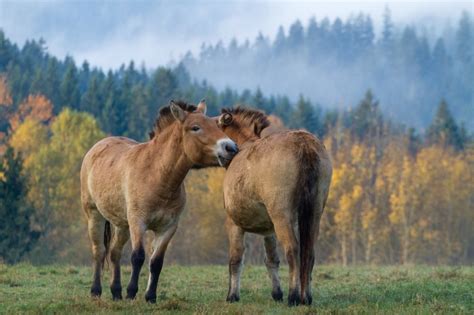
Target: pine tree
441,60
387,32
69,88
84,77
92,99
337,37
163,85
279,45
259,101
233,49
312,39
283,109
5,51
261,45
366,119
305,116
296,36
16,235
51,84
6,103
465,39
444,130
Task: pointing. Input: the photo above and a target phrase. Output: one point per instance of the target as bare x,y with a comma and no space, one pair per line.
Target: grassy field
202,290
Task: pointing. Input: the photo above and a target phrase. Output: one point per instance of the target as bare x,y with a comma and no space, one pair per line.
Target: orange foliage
36,107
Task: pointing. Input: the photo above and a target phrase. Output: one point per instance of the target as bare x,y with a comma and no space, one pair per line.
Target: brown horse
277,185
139,186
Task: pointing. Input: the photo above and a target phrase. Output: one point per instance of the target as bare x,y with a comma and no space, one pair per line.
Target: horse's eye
195,128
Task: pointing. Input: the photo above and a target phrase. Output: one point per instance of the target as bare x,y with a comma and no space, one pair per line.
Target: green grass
202,290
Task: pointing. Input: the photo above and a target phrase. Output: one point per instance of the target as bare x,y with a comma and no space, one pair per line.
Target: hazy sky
109,33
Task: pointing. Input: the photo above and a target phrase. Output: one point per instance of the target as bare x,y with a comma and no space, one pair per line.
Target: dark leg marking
138,258
155,269
294,298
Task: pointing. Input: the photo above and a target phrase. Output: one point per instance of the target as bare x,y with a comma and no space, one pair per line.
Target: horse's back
102,173
269,170
106,154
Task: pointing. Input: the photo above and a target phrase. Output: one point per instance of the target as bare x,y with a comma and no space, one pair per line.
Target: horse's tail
107,239
306,198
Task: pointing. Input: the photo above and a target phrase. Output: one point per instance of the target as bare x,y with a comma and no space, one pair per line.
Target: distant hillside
335,62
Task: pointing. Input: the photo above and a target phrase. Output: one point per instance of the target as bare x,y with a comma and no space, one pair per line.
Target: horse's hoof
117,297
277,294
150,298
294,299
308,300
131,296
96,292
233,298
116,293
131,293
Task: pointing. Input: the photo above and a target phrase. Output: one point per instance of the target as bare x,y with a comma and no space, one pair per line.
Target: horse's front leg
160,244
272,262
236,255
121,236
137,232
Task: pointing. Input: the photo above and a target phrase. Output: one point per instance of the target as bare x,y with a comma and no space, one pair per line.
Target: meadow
202,290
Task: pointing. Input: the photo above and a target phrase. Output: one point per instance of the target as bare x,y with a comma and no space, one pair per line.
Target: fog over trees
333,63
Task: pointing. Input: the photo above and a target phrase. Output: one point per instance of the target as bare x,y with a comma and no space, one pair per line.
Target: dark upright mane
249,116
165,117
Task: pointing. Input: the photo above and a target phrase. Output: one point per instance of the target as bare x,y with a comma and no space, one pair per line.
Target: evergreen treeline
125,101
398,196
333,62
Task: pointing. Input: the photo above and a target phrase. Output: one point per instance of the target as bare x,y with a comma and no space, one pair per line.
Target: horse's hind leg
287,234
121,236
160,244
272,262
236,253
96,224
307,269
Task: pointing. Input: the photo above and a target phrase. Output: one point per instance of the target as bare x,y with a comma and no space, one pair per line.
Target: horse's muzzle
226,149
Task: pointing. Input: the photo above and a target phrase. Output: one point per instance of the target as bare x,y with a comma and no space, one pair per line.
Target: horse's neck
246,144
243,140
170,161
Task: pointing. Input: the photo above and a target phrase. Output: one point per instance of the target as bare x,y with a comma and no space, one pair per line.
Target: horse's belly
252,216
162,219
113,212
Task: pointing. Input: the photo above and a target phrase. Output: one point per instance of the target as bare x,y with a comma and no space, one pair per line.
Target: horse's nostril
231,148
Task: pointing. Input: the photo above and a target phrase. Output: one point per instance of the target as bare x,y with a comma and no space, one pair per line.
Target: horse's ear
225,119
178,112
257,129
202,106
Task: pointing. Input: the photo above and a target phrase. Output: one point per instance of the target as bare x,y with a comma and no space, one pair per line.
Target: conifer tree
366,117
69,88
305,116
16,235
443,129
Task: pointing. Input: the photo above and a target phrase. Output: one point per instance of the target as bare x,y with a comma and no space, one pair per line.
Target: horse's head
242,124
204,143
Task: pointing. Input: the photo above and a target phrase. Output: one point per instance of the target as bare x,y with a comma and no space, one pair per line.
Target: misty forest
395,110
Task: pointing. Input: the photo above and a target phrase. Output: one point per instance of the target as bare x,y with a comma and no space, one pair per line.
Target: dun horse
277,185
139,186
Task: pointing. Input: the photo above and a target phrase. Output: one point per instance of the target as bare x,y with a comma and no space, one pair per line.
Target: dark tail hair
107,239
306,198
